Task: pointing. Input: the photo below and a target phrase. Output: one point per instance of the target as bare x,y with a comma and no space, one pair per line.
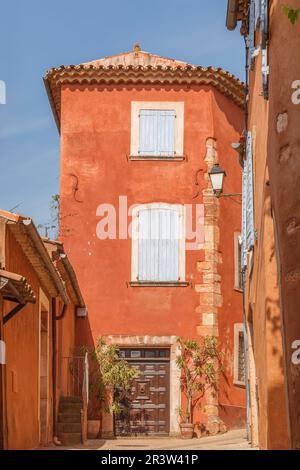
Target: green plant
200,364
55,208
291,13
115,376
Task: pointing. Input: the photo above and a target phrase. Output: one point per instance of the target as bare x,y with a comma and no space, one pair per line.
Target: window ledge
176,158
238,289
158,284
237,383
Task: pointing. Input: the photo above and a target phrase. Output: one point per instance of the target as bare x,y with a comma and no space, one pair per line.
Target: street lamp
216,175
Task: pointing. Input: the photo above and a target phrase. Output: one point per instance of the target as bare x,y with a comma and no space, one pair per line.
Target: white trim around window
137,107
158,258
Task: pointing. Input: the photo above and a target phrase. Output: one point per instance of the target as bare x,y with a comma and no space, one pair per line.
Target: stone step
69,418
65,427
70,400
70,407
69,438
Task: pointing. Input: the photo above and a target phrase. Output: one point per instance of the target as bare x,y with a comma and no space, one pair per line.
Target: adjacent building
139,135
271,235
39,303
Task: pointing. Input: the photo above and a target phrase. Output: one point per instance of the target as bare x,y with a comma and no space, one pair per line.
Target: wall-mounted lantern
216,175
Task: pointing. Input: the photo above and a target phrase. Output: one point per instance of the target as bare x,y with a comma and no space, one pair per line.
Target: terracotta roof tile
139,67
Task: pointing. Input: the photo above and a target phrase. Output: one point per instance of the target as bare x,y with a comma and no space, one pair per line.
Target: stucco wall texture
21,335
284,170
95,169
272,292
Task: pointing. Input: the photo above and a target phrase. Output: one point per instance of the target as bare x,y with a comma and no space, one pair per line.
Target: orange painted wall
65,329
231,397
262,293
95,140
21,335
284,172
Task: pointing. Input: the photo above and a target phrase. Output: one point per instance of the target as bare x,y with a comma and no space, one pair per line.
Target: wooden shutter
159,242
248,206
257,11
157,133
251,33
264,23
241,376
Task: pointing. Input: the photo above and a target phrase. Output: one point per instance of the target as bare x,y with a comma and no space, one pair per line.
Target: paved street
233,440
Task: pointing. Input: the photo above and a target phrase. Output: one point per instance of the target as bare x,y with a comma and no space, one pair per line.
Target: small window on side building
239,370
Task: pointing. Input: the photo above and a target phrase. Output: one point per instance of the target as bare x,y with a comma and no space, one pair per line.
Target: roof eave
68,270
16,288
29,236
231,17
74,282
225,82
52,105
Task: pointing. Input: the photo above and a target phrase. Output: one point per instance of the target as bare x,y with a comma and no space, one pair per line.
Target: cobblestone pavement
232,440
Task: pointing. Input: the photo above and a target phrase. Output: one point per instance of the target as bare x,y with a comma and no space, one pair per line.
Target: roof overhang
231,18
15,288
237,10
182,75
65,268
32,245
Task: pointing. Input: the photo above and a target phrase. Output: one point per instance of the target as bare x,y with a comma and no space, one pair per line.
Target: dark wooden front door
145,411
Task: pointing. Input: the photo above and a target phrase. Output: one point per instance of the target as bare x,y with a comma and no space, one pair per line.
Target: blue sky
37,35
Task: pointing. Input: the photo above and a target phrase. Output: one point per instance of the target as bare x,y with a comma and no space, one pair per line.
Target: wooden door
146,410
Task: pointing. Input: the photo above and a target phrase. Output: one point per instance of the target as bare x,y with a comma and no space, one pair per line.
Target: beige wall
269,428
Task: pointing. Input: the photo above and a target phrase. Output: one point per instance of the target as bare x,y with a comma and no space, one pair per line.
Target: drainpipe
54,357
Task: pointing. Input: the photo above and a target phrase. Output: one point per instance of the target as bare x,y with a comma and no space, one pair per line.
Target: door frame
154,361
158,342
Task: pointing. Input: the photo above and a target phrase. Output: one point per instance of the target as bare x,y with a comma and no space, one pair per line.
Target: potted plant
96,393
113,376
199,363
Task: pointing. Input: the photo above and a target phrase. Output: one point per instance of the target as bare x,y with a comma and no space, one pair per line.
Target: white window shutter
264,17
265,73
251,32
157,133
244,218
257,8
248,205
159,243
265,62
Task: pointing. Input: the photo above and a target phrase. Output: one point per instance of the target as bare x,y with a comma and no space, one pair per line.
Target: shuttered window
248,208
241,358
159,245
257,9
238,248
264,24
157,133
251,32
239,370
